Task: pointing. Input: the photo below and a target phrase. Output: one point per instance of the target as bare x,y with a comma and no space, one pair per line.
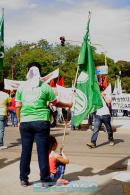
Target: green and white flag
87,96
1,43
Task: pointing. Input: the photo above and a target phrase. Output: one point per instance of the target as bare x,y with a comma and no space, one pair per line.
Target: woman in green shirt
33,114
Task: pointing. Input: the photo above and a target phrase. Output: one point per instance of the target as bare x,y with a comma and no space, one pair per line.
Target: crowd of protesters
34,109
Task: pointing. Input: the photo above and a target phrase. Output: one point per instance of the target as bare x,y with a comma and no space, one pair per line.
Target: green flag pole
1,44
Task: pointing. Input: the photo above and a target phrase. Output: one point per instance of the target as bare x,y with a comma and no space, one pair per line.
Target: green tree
56,56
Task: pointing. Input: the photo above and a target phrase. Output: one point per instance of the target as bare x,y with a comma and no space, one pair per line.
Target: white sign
121,102
50,76
64,94
13,84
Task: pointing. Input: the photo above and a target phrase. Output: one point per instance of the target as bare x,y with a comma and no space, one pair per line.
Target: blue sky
70,3
118,3
31,20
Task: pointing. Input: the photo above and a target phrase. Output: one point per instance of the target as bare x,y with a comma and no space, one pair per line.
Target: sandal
61,181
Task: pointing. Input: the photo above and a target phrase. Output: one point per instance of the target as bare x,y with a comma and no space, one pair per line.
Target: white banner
64,94
50,76
121,102
13,84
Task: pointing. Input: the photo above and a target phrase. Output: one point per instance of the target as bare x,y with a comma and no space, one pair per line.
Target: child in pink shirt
57,162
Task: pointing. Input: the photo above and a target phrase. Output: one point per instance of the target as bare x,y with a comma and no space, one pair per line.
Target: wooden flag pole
64,133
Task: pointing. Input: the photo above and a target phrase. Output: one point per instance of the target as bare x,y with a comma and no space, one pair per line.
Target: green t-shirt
34,102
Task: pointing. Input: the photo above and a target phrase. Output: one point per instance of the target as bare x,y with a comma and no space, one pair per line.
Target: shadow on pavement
116,141
17,143
5,162
59,134
120,165
115,127
111,187
84,172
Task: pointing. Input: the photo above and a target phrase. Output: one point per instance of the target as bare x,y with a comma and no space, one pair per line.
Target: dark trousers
2,129
54,115
106,119
38,131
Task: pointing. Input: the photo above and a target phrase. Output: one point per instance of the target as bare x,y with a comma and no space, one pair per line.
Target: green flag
1,43
87,96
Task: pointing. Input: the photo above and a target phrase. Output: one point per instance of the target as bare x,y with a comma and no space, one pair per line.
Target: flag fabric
60,81
13,84
52,83
105,82
1,43
87,96
51,76
64,94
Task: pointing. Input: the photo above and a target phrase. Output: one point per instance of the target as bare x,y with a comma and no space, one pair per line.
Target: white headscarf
33,77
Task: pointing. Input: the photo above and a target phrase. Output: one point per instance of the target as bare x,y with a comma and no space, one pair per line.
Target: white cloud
109,26
13,4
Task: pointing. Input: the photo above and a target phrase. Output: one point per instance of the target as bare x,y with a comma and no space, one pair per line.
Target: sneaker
24,183
91,145
3,147
111,143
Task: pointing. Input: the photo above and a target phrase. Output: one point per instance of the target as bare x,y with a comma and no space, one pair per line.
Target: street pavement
99,171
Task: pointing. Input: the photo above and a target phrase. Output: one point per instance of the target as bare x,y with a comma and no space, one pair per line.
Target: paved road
97,165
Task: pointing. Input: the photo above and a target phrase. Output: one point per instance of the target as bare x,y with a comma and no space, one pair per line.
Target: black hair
52,142
1,85
101,88
37,64
12,95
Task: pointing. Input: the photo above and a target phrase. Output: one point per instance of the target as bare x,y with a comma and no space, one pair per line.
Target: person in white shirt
102,116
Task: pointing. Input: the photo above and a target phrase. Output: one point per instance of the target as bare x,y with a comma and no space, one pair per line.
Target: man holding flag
88,96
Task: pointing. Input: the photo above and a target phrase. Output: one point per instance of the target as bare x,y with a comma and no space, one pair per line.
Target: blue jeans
38,131
13,117
106,119
60,170
2,128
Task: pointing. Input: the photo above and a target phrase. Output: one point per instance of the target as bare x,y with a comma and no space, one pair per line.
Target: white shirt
104,110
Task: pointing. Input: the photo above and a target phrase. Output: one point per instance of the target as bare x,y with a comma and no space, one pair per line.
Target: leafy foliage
56,56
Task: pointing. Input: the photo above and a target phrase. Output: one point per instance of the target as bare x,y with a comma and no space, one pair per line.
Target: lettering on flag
80,104
83,77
